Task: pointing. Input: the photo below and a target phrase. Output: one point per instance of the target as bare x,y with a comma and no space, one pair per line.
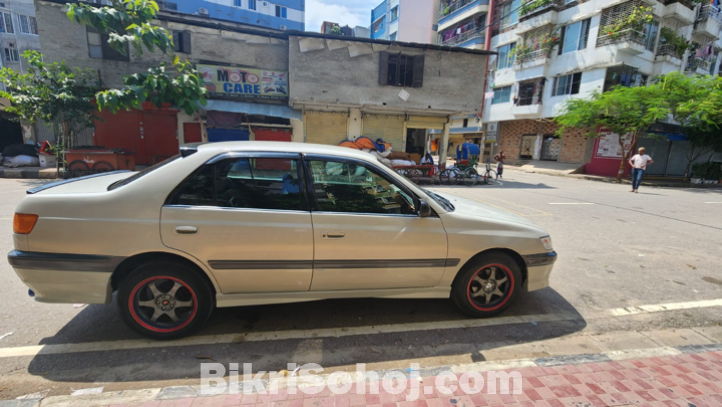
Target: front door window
355,188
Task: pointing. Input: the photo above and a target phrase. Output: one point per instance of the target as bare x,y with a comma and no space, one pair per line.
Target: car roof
275,146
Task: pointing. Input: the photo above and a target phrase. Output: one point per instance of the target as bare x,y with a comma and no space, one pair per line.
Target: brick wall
574,144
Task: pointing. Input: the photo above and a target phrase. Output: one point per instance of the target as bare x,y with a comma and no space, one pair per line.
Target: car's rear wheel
165,300
487,285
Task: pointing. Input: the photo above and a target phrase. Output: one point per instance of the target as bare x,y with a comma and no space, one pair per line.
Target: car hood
465,206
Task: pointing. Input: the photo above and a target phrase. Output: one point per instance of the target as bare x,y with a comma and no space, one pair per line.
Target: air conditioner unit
203,11
265,4
283,27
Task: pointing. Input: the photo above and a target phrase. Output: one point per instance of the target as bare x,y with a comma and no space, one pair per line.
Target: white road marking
342,332
713,202
570,203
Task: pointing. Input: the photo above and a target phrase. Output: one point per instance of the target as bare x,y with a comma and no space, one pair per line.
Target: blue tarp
464,151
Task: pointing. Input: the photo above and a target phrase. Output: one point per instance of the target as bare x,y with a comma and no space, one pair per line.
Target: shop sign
244,82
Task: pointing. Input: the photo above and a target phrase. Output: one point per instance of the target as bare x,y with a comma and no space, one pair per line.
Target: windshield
440,200
141,174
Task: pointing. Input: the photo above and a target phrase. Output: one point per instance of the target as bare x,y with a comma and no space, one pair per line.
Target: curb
29,173
185,392
614,180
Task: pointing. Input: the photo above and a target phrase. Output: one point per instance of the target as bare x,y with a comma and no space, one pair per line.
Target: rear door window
249,183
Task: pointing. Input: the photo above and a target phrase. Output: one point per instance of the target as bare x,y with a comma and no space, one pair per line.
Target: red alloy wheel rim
144,322
510,283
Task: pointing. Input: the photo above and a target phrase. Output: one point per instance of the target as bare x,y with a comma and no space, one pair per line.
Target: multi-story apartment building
277,14
405,20
18,33
552,50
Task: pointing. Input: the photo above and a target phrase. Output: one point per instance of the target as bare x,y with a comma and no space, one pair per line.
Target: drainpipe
487,46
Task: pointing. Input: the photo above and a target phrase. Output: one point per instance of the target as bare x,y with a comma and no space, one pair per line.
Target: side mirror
424,209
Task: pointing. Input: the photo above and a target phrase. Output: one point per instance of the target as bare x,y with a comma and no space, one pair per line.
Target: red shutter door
120,130
269,134
159,130
192,133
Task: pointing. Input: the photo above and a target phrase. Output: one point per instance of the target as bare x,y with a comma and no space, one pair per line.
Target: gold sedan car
248,223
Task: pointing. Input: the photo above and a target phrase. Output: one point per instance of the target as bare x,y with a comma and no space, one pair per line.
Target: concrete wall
64,40
453,81
23,42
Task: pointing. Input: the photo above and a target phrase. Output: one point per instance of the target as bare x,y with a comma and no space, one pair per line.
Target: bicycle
489,175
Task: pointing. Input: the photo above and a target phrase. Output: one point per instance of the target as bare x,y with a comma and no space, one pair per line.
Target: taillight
24,223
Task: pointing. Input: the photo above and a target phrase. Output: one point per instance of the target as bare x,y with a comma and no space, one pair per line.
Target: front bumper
539,268
65,278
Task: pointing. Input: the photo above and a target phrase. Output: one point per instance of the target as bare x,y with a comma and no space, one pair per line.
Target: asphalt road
617,250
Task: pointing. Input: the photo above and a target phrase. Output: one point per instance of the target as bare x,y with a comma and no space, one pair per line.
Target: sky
343,12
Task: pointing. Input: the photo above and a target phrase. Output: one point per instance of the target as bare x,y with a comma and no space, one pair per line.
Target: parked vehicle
248,223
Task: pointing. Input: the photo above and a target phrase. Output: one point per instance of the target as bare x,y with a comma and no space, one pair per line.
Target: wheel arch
514,255
131,263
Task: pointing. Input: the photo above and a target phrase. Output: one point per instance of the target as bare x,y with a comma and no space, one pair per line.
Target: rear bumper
65,278
539,268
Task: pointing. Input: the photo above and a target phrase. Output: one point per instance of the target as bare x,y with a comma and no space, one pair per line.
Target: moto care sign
244,82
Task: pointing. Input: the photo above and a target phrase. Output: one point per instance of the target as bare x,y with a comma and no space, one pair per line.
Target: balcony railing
687,3
450,7
531,56
667,49
465,36
709,12
696,63
623,36
530,7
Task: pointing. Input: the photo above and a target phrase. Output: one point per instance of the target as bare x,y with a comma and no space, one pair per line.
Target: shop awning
252,108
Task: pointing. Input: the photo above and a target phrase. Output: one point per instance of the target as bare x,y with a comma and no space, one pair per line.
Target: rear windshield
118,184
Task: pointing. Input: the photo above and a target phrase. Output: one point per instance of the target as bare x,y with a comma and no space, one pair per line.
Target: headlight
546,241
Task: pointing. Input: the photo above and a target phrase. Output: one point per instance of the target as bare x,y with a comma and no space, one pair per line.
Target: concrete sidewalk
29,172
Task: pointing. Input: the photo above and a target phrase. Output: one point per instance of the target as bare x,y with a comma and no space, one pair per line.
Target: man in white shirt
639,164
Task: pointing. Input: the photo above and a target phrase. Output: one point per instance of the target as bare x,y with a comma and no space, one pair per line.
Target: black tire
465,285
78,165
449,177
103,166
193,292
414,175
471,177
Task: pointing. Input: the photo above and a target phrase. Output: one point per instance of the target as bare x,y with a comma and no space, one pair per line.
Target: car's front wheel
487,285
165,300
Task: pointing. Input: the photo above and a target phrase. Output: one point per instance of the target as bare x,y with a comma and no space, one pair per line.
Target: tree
622,110
52,92
336,30
694,101
129,23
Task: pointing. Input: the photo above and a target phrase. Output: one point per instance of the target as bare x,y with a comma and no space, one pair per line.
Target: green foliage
336,30
129,22
52,92
678,43
709,171
532,5
634,22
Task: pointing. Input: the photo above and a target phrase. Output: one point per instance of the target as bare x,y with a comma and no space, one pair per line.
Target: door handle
186,230
333,234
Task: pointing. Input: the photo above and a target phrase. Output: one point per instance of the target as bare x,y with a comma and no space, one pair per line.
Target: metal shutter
326,127
426,122
388,128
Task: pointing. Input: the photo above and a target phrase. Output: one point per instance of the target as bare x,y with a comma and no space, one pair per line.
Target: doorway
551,147
416,141
528,143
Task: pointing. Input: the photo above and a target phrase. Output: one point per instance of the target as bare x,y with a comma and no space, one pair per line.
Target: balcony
629,41
531,59
466,37
538,20
667,53
698,65
679,11
527,111
532,8
707,26
453,12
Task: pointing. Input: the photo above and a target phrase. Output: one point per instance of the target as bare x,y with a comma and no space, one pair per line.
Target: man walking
639,164
500,167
